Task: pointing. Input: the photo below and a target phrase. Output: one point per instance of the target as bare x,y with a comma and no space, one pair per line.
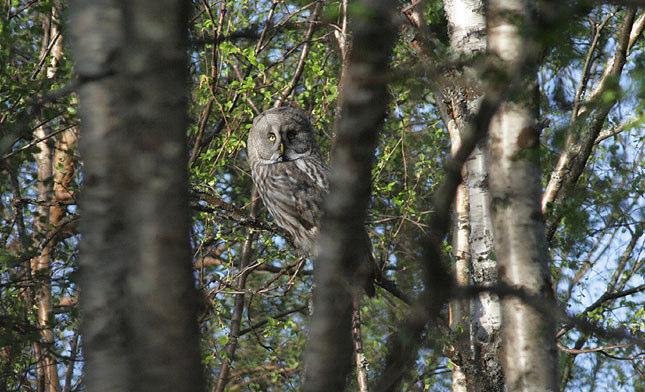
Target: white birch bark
467,31
529,353
460,308
41,265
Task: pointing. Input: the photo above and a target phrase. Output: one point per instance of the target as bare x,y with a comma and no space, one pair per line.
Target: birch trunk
41,270
138,302
357,343
529,354
473,241
460,308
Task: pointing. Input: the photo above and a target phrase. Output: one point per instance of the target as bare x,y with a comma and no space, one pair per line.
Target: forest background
579,69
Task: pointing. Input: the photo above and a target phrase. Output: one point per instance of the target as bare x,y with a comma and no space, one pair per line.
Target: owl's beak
281,148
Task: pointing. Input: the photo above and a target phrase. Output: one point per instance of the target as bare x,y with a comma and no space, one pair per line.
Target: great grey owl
291,178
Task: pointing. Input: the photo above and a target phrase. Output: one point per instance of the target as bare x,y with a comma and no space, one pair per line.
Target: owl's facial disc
277,147
288,141
297,142
279,135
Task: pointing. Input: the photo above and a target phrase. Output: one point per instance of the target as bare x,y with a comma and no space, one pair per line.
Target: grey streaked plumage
291,176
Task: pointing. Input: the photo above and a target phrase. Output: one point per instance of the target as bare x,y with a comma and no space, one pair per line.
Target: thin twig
278,316
289,88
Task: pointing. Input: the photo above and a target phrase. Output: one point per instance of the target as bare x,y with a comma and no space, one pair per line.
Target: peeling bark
460,308
467,32
357,343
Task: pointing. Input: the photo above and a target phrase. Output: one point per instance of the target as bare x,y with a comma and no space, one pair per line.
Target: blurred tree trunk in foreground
137,295
362,110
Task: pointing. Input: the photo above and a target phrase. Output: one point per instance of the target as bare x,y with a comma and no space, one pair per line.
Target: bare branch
238,307
586,68
278,316
607,133
589,350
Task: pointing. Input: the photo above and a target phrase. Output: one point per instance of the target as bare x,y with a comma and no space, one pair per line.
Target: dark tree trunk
363,108
137,296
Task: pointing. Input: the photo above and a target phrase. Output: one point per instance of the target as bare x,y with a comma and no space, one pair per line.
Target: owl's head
280,134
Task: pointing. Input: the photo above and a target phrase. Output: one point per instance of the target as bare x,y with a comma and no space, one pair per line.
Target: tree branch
582,136
278,316
238,306
284,94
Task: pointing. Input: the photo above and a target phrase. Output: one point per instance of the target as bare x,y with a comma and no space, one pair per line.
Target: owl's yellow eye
271,137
